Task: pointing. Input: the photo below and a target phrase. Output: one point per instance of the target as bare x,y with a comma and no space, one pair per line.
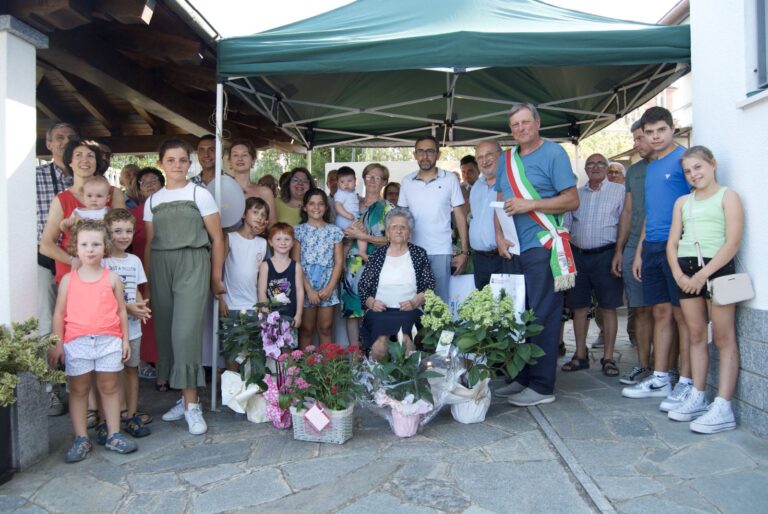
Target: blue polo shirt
664,184
482,234
549,171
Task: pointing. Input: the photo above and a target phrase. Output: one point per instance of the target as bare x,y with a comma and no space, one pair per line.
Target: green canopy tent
381,73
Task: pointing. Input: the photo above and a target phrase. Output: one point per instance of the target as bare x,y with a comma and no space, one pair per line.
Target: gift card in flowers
444,343
317,417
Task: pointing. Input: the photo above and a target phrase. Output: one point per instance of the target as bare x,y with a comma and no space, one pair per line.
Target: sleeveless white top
241,271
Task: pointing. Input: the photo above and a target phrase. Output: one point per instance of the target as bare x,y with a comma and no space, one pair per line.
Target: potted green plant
401,382
23,371
490,337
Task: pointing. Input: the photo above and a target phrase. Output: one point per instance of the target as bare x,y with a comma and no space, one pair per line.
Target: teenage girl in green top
713,216
185,256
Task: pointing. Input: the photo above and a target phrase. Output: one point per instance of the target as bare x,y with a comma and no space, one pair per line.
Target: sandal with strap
92,418
136,428
610,369
576,363
145,418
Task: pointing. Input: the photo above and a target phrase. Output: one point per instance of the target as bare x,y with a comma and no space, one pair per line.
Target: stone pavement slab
590,451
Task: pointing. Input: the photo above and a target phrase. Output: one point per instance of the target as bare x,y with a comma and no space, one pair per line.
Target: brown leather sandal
610,369
576,363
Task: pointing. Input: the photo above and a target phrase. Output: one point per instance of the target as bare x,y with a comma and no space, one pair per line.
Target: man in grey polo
432,195
640,320
594,230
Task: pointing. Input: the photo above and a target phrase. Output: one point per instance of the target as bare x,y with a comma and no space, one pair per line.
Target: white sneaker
635,376
719,417
176,412
651,387
694,406
676,398
195,420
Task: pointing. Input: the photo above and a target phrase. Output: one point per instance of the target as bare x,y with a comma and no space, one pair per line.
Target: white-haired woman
393,284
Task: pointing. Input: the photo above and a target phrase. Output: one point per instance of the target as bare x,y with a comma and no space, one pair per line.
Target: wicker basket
338,431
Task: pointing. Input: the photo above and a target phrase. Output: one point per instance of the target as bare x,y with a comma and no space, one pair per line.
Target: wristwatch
465,252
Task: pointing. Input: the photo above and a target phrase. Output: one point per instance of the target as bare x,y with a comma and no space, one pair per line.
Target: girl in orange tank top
91,323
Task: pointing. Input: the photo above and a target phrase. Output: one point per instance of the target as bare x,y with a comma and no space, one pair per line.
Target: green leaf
524,351
536,351
513,369
466,343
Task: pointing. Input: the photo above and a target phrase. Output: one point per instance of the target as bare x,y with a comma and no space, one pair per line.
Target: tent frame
276,108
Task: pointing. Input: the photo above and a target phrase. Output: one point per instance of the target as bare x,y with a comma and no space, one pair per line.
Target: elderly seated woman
393,284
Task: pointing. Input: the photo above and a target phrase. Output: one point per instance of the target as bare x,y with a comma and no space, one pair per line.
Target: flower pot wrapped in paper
325,390
489,337
401,383
254,340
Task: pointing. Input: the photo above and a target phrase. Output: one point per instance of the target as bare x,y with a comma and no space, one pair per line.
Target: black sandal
163,388
576,364
610,369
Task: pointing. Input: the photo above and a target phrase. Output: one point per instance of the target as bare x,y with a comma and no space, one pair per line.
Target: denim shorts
690,266
633,288
658,283
594,274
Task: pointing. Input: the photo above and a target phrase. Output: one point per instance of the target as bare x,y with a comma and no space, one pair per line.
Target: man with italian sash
536,182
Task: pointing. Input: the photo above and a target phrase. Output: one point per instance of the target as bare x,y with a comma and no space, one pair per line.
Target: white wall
18,215
723,42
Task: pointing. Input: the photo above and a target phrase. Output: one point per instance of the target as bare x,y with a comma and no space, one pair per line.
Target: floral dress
317,245
373,220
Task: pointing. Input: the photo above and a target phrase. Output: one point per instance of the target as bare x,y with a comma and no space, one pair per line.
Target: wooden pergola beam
87,96
126,11
52,106
137,144
96,63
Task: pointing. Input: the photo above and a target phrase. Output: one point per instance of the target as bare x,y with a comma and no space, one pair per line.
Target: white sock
686,381
661,375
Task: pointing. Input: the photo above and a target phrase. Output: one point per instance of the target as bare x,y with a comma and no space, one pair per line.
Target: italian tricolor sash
554,236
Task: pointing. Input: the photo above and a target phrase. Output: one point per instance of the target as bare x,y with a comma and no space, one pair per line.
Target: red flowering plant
326,374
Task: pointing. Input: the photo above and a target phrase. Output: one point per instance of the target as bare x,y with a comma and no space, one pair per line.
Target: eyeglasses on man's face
599,164
431,152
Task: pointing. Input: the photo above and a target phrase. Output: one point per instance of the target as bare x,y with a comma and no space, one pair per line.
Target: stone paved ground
589,451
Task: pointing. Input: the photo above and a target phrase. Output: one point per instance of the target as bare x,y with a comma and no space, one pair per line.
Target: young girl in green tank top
712,218
184,256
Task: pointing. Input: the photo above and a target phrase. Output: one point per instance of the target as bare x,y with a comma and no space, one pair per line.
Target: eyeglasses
149,182
374,178
614,172
399,228
596,165
298,181
487,156
429,151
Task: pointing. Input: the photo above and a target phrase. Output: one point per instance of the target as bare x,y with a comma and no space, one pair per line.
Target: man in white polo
432,194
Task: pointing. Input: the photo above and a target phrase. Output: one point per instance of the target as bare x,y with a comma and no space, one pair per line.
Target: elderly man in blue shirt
482,234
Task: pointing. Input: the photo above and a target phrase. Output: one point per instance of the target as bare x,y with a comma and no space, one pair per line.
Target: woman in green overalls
185,253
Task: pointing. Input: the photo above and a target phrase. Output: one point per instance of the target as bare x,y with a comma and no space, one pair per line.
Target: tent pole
217,181
309,160
333,154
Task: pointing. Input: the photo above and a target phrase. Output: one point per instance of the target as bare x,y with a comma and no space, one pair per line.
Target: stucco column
18,124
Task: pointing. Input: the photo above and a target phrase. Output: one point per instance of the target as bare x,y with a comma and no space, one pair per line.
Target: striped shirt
596,222
51,180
